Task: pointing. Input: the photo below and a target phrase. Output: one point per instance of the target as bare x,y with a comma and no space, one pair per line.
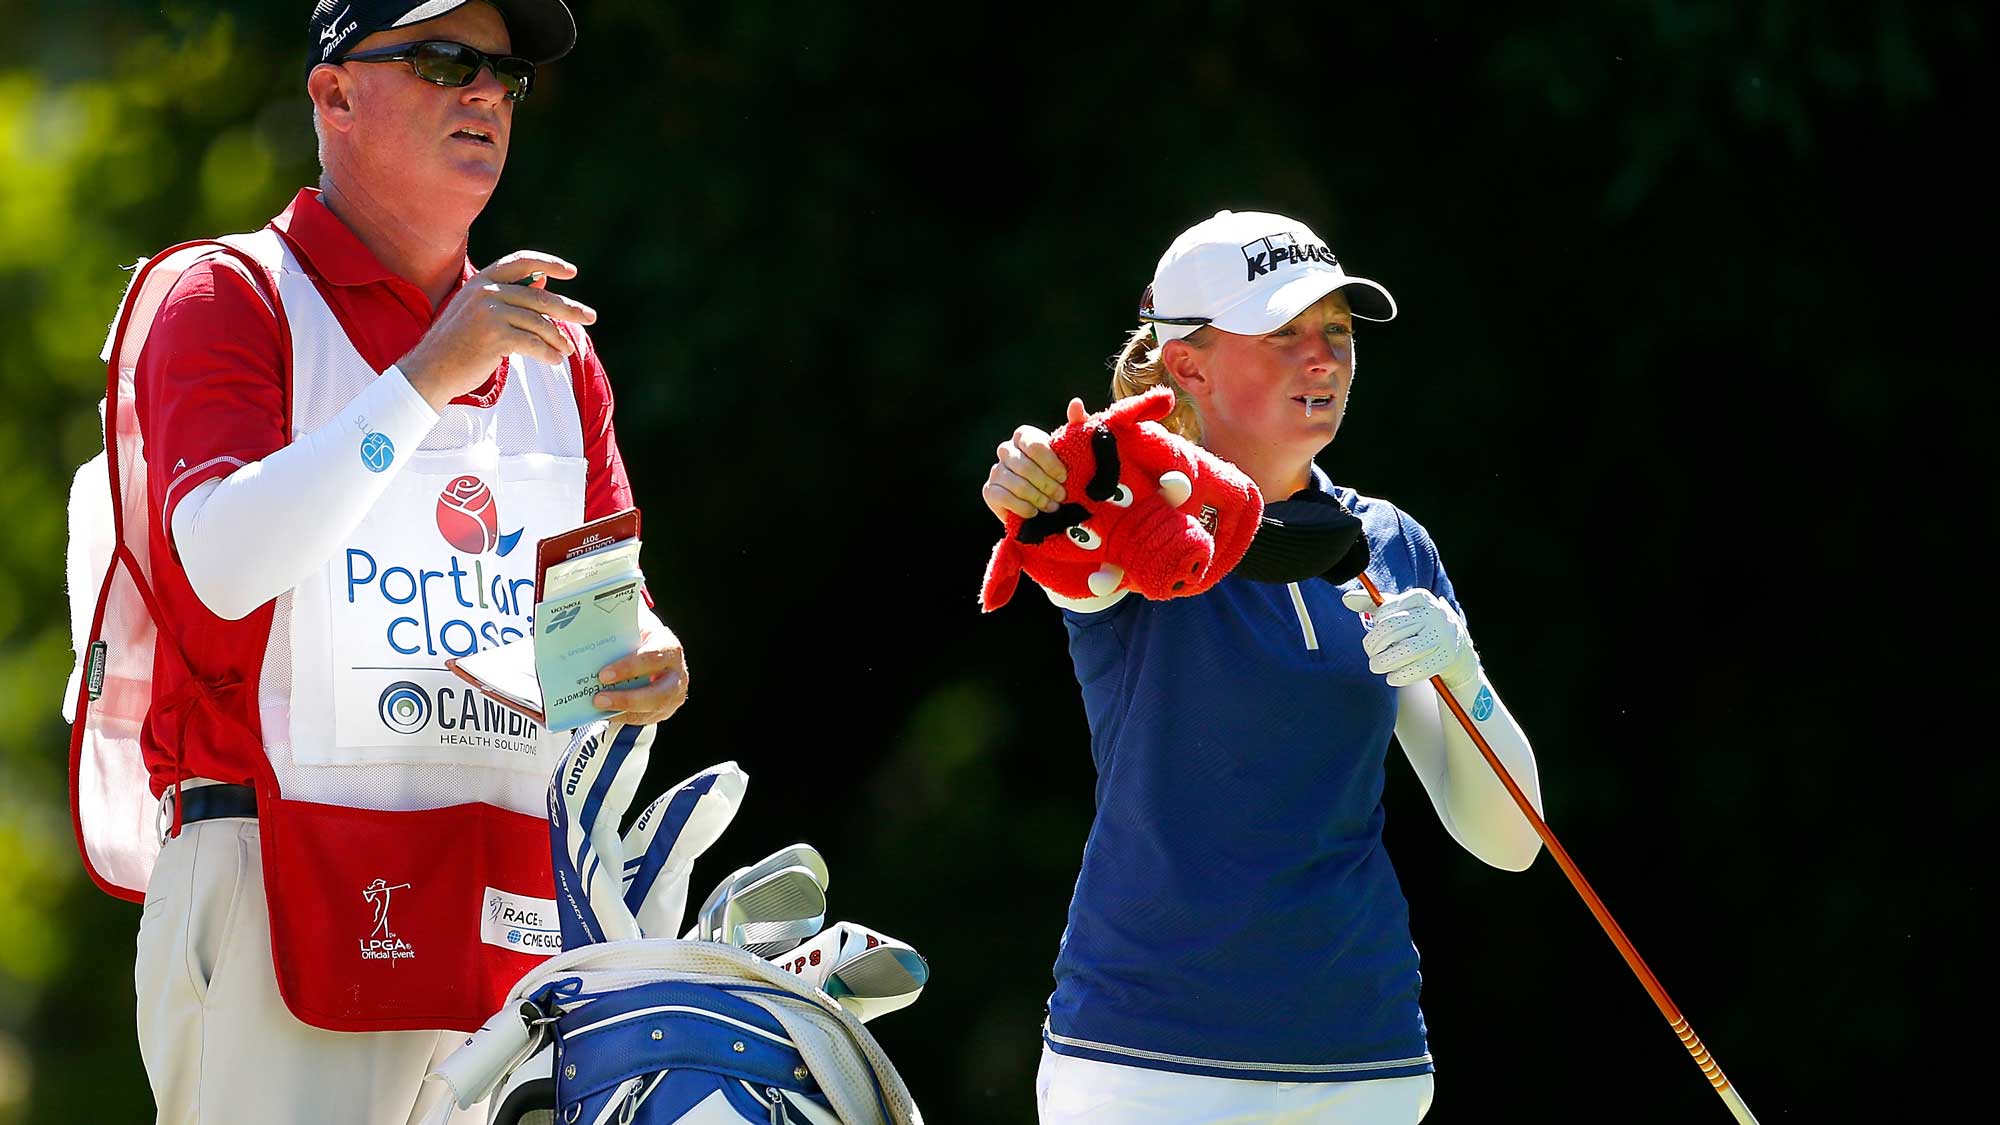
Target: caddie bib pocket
406,920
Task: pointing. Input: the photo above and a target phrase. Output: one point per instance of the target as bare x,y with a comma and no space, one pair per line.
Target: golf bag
628,1027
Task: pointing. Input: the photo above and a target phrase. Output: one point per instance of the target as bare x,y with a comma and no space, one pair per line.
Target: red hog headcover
1145,510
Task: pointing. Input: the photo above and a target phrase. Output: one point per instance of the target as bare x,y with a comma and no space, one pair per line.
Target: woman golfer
1238,948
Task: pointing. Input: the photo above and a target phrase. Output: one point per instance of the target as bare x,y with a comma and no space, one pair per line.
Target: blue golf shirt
1236,914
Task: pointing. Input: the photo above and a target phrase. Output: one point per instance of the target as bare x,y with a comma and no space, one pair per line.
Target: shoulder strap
262,255
111,803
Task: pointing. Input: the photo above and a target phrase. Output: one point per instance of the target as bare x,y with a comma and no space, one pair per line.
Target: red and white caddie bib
405,830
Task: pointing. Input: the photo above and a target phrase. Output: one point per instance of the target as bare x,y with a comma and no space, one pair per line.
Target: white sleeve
1470,800
245,538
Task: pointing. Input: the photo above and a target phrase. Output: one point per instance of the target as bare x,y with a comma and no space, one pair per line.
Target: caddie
332,445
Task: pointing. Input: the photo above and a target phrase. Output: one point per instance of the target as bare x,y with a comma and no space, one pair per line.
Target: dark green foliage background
1691,386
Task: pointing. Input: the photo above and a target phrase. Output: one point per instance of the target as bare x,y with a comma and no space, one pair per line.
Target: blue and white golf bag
756,1016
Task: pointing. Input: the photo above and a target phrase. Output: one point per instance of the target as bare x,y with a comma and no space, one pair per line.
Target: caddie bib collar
333,255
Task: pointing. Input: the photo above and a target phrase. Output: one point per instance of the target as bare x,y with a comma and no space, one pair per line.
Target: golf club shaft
1710,1069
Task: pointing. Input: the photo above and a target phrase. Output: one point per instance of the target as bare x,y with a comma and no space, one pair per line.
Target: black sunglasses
445,63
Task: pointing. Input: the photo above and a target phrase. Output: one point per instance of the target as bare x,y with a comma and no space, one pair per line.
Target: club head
708,920
1311,534
867,972
879,973
769,915
796,855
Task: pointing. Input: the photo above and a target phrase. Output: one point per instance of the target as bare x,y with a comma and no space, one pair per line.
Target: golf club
1710,1069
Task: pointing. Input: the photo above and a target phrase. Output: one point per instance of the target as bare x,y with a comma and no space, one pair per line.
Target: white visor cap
1249,272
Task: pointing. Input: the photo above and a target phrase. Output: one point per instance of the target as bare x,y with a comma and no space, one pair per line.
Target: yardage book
588,590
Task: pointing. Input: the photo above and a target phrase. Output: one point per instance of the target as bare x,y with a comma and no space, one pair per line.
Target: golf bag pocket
680,1051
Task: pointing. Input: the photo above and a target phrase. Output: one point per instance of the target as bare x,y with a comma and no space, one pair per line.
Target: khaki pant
219,1045
1071,1091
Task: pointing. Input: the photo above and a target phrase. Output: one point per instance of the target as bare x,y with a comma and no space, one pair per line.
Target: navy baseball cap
542,31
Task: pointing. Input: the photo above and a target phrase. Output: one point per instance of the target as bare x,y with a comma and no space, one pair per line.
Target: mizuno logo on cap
334,32
1274,250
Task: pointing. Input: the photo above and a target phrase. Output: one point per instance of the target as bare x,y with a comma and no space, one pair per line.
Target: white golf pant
1072,1090
219,1045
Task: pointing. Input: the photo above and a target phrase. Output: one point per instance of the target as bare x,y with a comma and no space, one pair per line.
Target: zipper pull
778,1114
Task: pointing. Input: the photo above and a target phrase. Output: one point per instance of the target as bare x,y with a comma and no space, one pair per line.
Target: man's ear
332,92
1185,363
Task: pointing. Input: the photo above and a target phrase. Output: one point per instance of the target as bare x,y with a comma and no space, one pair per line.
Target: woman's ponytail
1137,369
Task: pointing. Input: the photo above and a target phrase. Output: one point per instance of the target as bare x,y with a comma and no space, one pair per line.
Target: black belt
208,802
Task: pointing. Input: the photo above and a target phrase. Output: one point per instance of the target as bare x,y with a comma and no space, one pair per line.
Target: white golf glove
1416,636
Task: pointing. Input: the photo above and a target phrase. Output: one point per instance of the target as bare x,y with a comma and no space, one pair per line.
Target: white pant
220,1046
1070,1089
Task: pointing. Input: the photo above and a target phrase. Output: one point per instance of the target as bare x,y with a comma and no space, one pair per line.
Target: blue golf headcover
588,795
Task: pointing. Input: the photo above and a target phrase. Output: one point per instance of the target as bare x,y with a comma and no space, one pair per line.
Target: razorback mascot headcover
1144,510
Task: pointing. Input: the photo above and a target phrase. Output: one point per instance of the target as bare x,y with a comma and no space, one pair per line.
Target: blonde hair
1137,369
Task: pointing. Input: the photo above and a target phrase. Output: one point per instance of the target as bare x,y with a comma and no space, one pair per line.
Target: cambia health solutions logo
469,519
404,707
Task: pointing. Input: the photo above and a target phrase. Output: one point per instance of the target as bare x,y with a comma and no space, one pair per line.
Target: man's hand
1416,636
1027,476
494,315
661,661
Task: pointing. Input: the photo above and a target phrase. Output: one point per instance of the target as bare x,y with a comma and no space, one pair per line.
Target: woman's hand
1416,636
1027,476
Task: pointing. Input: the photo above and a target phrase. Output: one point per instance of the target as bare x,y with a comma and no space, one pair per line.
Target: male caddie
332,447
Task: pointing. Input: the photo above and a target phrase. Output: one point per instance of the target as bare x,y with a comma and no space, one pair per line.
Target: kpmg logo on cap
1274,250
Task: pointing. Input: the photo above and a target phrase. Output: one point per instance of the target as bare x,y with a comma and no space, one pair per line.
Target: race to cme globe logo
439,599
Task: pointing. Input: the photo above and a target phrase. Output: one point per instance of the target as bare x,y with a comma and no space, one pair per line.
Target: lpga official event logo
382,944
1274,250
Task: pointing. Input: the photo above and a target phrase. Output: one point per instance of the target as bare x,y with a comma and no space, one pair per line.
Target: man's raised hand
497,312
